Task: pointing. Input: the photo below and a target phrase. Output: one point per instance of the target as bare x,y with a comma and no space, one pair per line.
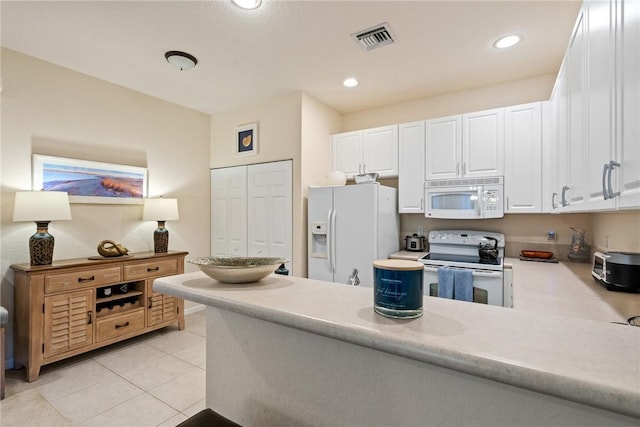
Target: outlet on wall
607,241
551,235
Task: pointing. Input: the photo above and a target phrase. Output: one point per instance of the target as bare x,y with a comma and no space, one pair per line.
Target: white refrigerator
349,228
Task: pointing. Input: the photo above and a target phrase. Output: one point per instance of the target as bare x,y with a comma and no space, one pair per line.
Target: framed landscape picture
247,140
90,182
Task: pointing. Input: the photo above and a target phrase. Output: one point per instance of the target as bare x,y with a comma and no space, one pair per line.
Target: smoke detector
374,37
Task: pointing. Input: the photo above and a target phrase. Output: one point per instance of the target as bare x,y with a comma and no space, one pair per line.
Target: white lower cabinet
523,158
411,167
251,210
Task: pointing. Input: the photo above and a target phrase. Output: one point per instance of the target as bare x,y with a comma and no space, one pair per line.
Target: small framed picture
247,140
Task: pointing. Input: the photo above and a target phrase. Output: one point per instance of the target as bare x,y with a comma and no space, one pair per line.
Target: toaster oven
617,271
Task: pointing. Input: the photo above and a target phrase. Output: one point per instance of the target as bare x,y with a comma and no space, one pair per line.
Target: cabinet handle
605,193
86,279
457,169
359,168
553,201
152,269
122,326
563,200
612,164
89,317
150,302
422,204
364,168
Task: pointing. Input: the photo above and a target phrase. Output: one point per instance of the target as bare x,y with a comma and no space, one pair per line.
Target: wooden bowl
537,254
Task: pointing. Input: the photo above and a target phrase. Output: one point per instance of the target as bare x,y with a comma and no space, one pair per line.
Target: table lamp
42,207
160,210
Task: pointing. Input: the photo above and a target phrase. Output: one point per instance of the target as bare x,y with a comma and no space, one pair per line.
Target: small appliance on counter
415,243
578,252
617,271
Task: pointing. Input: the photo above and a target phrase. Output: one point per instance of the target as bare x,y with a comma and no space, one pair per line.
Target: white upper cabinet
523,158
483,143
369,150
411,149
469,145
597,110
443,147
628,143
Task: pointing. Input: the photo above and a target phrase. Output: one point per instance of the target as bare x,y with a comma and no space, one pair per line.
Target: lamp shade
160,210
41,206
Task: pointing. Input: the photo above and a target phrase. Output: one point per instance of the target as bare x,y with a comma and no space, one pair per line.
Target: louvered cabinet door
68,322
161,308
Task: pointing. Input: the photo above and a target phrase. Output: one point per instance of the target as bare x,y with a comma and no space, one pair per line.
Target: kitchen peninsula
294,351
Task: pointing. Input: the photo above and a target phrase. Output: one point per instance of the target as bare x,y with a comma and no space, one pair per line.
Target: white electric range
460,249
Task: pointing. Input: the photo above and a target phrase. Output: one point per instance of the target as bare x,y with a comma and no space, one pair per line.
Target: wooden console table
77,305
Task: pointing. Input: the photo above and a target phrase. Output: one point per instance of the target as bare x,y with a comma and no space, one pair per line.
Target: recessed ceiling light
247,4
350,82
507,41
181,60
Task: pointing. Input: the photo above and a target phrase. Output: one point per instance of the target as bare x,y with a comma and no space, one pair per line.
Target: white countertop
588,361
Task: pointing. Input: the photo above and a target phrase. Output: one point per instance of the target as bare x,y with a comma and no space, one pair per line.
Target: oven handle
477,273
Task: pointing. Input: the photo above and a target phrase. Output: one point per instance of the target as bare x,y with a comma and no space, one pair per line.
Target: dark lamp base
161,239
41,245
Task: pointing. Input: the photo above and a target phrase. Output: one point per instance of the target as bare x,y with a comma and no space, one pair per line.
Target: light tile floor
157,379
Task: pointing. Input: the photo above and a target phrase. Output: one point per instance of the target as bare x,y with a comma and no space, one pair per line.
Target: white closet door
269,191
229,211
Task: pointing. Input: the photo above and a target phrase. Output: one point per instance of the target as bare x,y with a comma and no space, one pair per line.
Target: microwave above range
464,198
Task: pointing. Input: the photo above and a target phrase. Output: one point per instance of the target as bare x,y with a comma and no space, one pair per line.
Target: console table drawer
81,279
150,269
120,325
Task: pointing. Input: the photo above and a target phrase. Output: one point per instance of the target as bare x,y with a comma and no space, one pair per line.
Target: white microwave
462,198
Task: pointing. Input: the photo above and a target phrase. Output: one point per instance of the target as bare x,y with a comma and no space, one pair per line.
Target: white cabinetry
251,210
523,158
483,143
597,110
411,149
443,147
470,145
369,150
628,92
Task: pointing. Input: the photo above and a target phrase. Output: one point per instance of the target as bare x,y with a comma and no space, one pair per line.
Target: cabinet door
600,132
229,211
68,321
483,143
443,147
161,308
269,191
576,125
411,149
562,139
628,147
523,151
380,151
346,152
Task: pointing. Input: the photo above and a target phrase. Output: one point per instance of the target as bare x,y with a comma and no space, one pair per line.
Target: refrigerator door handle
329,228
333,241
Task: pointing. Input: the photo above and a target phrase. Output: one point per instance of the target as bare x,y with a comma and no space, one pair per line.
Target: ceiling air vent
374,37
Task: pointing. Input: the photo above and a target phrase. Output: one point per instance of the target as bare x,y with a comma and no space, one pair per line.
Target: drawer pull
89,315
122,326
86,279
150,302
152,269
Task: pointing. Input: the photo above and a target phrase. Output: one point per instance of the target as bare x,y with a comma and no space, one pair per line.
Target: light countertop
587,361
568,289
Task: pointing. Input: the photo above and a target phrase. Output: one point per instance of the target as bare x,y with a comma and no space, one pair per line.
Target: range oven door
487,285
463,202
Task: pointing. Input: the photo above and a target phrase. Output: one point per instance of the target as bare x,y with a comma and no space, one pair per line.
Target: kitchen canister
397,288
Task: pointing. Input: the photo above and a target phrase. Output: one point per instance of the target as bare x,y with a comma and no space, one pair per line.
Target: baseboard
194,309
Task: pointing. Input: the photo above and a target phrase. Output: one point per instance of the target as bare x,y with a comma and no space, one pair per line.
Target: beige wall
54,111
622,229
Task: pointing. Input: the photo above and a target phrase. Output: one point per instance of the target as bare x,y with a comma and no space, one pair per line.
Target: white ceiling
246,57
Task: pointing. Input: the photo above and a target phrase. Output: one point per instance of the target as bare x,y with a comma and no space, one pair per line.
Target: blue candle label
398,290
